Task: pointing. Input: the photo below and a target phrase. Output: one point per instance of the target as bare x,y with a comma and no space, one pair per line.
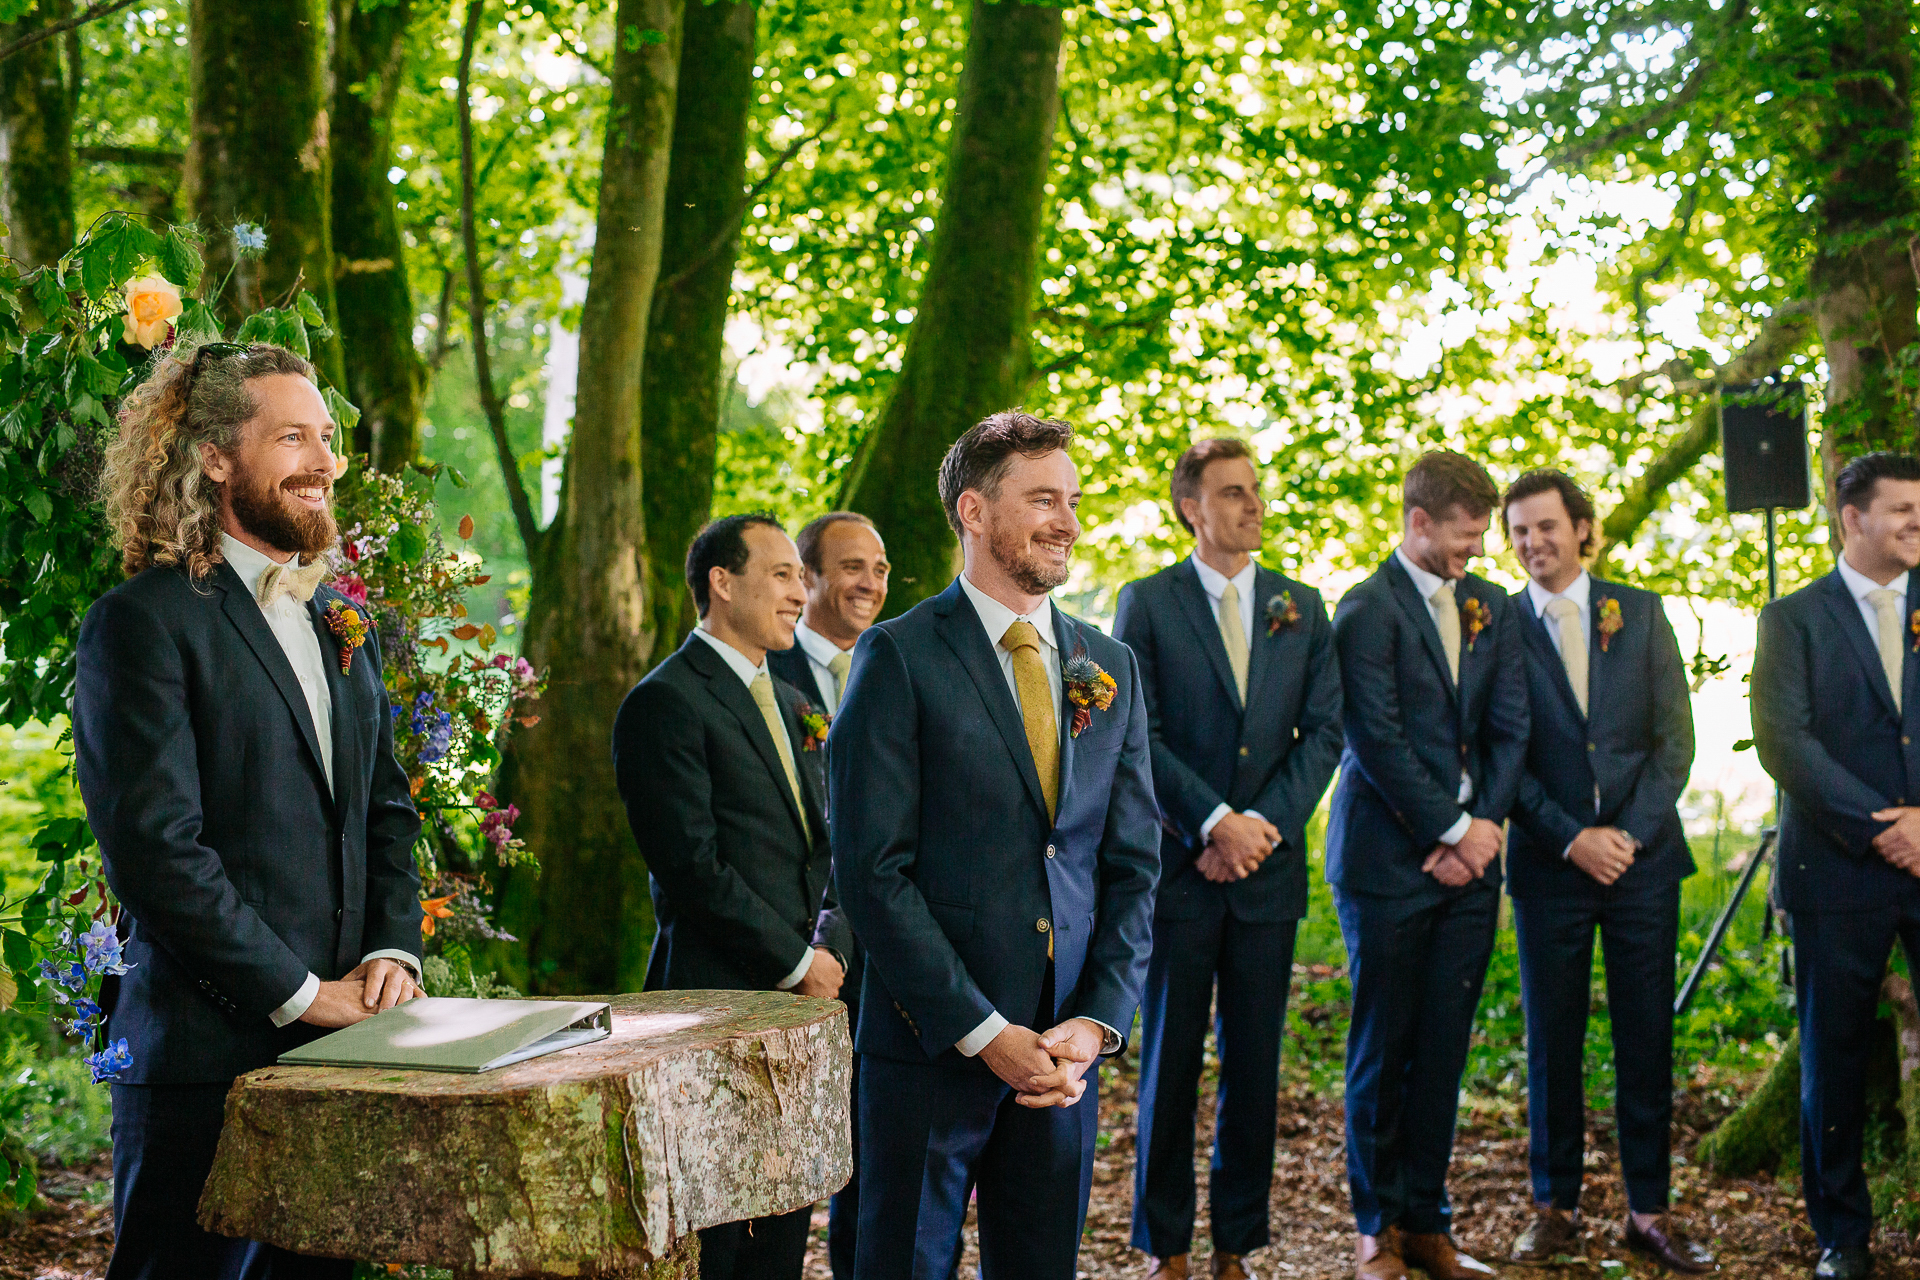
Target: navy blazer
1275,756
947,866
1410,732
792,666
200,768
1824,722
1635,743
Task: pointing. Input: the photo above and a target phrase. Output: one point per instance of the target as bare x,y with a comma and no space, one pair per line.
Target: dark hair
721,543
815,530
1540,480
980,458
1855,484
1193,465
1442,480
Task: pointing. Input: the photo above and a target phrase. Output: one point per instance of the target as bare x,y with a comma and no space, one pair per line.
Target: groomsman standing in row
1243,698
1836,718
1436,732
1596,846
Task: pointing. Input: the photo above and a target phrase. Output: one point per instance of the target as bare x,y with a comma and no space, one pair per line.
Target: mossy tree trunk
589,625
260,153
681,393
385,376
36,144
967,352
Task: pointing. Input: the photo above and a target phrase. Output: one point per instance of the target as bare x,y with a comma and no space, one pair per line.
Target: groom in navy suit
996,848
1436,719
1243,698
1836,718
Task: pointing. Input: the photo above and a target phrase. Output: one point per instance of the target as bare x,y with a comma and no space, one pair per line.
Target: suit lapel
1910,664
1600,659
346,737
1866,649
1415,608
252,625
1067,637
1206,628
810,784
960,627
1263,655
1540,640
727,688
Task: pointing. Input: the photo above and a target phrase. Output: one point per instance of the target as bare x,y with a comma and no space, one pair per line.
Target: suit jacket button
1050,851
1041,925
1243,751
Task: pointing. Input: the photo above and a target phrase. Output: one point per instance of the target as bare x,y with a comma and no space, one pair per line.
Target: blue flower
439,738
86,1018
110,1061
102,950
71,974
249,237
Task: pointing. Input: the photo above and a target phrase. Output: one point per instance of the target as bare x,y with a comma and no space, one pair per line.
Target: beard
1029,573
264,512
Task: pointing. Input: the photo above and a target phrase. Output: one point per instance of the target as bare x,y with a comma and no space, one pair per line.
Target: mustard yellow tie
762,689
1036,707
1448,622
838,668
1233,634
1886,603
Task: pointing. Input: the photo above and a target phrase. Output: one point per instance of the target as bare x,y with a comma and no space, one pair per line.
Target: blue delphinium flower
102,950
439,738
110,1061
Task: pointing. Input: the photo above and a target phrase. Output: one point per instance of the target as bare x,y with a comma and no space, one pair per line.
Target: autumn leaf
487,636
457,610
465,631
9,990
527,722
466,527
439,640
483,578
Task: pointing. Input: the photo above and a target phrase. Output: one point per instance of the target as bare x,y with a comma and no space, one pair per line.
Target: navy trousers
1417,968
1639,932
773,1248
164,1137
1839,961
1253,967
843,1211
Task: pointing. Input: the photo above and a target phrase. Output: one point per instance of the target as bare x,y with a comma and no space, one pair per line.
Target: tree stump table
703,1107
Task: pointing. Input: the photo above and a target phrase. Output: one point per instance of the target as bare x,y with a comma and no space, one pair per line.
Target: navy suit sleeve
1506,724
1116,968
1838,801
1366,635
660,766
1182,794
138,766
1663,778
1293,793
873,761
393,883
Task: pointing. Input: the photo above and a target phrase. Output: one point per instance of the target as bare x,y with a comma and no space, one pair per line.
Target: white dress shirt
1426,584
820,651
292,626
996,618
748,673
1214,583
1859,585
1580,591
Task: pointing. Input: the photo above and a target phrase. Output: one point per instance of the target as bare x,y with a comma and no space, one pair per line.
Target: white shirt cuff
981,1036
793,979
298,1003
392,953
1458,831
1466,787
1213,820
1566,854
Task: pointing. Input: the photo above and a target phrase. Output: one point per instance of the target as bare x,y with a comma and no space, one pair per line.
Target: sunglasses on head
215,351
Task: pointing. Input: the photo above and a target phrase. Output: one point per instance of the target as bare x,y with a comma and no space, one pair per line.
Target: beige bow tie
290,579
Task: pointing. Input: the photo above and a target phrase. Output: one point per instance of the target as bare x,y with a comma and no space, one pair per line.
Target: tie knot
1561,607
1885,599
840,664
1229,594
1021,635
1443,594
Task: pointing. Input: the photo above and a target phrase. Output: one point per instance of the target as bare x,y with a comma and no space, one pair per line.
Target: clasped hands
1900,843
1456,864
1045,1069
1236,846
373,987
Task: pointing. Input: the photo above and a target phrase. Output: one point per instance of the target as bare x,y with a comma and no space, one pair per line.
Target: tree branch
477,297
100,10
153,157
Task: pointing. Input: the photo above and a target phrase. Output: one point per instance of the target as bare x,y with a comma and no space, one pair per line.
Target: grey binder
445,1034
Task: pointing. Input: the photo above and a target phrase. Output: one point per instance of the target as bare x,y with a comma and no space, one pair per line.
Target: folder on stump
445,1034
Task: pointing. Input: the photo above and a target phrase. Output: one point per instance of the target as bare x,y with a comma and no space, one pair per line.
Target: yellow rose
151,302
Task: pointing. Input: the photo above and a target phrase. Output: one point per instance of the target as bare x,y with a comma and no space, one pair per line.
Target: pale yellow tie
1448,621
1886,602
1573,646
762,689
841,664
1036,707
1234,635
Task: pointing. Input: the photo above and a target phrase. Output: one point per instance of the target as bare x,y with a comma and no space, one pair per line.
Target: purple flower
71,974
102,950
110,1061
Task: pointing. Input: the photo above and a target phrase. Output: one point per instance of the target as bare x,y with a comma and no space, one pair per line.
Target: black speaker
1763,432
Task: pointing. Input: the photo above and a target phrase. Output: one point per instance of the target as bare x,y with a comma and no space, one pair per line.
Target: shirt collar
1423,582
816,646
996,617
1580,590
1213,582
737,660
247,562
1859,584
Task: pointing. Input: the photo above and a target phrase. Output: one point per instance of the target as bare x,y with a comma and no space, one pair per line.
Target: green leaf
457,476
18,950
309,309
196,317
346,414
257,327
411,542
24,1186
40,505
179,260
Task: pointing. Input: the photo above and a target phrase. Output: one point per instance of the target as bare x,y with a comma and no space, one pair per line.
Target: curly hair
160,505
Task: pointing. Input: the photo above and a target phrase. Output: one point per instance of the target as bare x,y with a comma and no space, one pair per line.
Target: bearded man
996,848
234,747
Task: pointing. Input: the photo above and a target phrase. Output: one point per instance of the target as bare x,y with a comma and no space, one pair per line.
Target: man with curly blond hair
235,754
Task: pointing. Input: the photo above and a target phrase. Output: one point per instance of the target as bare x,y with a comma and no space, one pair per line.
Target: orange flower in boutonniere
1282,614
1474,616
349,628
1914,626
815,723
1089,689
1608,623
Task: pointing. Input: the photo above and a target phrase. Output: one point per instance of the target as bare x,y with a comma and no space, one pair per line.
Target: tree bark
260,154
681,396
968,350
36,145
586,918
385,376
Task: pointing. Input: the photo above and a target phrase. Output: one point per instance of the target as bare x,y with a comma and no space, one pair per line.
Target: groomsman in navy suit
1243,699
996,846
1836,715
1434,672
1596,846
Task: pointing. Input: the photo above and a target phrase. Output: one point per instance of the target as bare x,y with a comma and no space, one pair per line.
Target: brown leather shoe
1433,1253
1550,1234
1669,1246
1379,1257
1226,1266
1174,1268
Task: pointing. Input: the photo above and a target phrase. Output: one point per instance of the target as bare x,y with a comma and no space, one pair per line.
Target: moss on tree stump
702,1108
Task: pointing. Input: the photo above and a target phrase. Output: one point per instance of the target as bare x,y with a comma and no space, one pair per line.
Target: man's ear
719,585
1190,508
214,464
807,579
1418,521
969,507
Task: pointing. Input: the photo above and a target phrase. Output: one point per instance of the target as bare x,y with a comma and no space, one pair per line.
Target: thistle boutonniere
1608,623
815,722
1282,614
349,627
1089,689
1474,617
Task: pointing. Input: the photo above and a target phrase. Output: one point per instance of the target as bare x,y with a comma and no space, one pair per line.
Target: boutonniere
349,627
1089,689
1282,614
1608,623
1474,617
815,723
1914,626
